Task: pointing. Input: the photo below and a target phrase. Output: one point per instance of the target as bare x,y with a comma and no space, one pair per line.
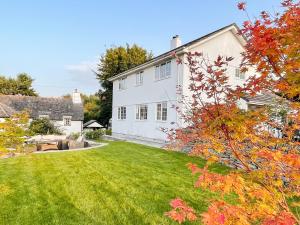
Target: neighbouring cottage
144,95
65,113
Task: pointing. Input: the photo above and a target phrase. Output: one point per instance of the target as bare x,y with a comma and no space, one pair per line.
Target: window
43,116
122,113
239,74
163,71
141,112
162,111
122,83
139,78
156,72
67,120
168,69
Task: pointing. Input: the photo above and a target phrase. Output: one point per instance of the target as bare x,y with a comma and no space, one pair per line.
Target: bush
94,135
74,136
43,126
108,132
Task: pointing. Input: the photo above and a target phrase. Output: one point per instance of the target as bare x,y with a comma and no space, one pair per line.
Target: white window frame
43,116
163,71
122,83
139,78
141,112
239,74
122,113
67,121
162,111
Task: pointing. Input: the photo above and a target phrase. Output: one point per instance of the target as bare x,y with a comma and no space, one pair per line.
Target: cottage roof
55,108
261,99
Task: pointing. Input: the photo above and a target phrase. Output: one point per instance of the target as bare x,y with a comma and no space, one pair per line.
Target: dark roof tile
56,108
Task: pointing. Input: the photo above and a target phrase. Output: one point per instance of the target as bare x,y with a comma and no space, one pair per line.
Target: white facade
74,127
129,93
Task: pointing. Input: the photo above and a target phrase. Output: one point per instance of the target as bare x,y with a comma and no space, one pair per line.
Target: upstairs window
122,83
122,113
239,74
163,71
43,116
162,111
141,112
67,120
139,78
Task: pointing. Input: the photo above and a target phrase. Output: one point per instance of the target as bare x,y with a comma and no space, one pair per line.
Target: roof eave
165,56
181,50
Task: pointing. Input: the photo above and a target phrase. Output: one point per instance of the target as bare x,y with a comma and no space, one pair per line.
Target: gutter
149,63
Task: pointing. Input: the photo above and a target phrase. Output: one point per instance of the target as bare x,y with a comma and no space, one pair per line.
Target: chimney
76,98
175,42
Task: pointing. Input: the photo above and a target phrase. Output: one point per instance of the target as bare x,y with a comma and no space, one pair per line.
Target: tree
116,60
43,126
273,47
12,132
266,167
21,85
92,107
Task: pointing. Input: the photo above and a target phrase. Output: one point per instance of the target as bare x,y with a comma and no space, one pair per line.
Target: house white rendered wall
225,44
150,92
76,127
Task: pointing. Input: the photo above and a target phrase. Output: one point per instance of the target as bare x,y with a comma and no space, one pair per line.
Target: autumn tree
116,60
21,85
91,107
13,131
266,167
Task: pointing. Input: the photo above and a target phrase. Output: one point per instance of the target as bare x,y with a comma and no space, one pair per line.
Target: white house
65,113
143,95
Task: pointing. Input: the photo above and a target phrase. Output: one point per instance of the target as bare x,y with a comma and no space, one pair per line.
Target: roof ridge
176,49
28,96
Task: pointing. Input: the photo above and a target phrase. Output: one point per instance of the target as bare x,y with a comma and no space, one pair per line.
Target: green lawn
121,183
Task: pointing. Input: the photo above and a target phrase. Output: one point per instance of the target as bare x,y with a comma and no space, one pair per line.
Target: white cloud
82,73
82,67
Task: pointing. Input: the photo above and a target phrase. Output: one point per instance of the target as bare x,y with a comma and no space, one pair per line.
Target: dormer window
163,70
239,74
43,116
122,83
139,78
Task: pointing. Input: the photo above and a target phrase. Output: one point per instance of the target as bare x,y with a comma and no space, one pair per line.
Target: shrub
108,132
74,135
43,126
94,135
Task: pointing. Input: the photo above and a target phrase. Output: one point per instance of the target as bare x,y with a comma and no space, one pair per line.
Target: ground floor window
141,112
122,113
162,111
67,120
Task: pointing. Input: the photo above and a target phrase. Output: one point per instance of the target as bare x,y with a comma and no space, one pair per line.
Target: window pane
168,69
141,77
237,73
137,115
162,71
157,73
242,75
164,114
158,113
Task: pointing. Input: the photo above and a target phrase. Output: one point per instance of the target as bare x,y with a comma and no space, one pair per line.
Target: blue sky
58,41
